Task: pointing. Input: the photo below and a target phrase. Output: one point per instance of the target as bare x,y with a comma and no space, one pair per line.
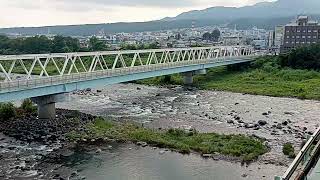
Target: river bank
31,148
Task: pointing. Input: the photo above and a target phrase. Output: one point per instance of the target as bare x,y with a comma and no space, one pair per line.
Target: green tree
306,57
62,44
206,36
215,35
73,44
155,45
28,106
7,111
39,44
59,45
96,45
36,45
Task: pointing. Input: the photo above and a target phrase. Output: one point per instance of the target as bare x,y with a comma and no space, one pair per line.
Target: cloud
88,4
53,12
138,3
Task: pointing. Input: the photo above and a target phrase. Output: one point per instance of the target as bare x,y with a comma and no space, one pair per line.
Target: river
287,120
132,162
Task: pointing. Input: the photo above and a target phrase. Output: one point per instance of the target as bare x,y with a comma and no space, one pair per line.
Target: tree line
305,57
42,44
57,44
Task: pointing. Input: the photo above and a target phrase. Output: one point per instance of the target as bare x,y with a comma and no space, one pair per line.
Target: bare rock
230,122
262,122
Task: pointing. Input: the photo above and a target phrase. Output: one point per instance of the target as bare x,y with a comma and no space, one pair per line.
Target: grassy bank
244,147
263,77
301,84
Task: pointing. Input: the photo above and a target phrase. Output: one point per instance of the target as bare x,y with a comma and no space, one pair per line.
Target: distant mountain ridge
262,15
280,8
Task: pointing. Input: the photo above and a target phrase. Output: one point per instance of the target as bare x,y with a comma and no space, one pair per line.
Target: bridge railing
85,76
304,157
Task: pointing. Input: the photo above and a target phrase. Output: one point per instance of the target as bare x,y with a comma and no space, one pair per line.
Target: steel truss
34,66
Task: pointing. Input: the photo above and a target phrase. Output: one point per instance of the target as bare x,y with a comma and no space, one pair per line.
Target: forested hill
90,29
279,8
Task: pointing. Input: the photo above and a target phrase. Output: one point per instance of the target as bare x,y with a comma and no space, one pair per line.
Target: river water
130,162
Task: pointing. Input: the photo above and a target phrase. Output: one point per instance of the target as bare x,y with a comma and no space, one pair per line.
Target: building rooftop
303,21
302,17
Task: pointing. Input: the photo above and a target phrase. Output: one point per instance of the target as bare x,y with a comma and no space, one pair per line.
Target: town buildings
300,33
178,38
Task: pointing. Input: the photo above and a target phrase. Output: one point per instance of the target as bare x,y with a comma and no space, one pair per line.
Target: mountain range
280,8
263,15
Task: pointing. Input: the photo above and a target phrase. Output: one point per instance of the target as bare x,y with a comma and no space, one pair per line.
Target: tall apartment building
271,38
275,39
300,33
278,36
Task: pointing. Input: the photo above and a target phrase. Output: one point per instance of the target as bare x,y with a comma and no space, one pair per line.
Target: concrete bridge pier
46,105
188,78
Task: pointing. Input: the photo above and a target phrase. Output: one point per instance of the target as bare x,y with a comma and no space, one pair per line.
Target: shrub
288,150
7,111
239,66
28,106
165,79
176,132
268,61
307,57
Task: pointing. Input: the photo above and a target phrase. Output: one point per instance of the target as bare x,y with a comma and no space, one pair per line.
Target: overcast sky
59,12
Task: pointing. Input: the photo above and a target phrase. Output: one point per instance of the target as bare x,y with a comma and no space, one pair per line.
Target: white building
278,37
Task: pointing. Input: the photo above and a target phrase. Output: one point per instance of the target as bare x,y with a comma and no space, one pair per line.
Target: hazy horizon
27,13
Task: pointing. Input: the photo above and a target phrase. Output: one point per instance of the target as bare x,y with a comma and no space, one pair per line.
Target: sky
25,13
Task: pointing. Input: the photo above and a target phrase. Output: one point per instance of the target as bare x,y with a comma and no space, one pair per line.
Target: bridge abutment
47,105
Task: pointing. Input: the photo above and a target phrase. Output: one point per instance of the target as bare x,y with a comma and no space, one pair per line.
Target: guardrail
303,157
56,80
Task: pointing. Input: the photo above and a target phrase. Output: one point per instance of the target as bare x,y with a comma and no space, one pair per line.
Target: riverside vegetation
288,150
8,111
244,147
295,74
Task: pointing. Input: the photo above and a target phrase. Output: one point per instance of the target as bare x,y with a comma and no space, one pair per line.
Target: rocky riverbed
277,120
33,149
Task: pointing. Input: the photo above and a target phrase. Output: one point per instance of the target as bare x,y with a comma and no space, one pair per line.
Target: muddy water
289,120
